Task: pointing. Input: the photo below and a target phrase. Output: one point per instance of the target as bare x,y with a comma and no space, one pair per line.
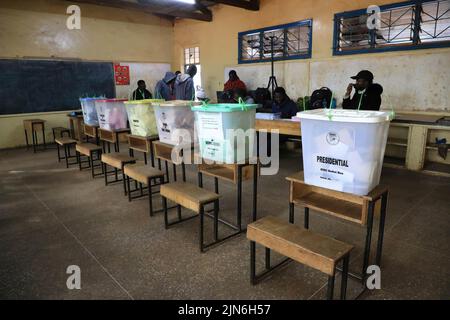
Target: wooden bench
89,150
118,162
195,199
304,246
66,143
356,209
143,174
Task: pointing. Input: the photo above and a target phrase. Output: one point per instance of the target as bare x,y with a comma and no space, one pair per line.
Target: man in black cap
367,94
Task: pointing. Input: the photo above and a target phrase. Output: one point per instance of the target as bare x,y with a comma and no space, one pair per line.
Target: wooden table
356,209
142,144
111,136
284,126
163,152
76,126
32,126
91,132
236,174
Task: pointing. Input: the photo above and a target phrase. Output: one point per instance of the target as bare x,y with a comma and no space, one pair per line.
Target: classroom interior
53,215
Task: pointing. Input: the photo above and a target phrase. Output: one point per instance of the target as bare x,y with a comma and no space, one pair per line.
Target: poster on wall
122,75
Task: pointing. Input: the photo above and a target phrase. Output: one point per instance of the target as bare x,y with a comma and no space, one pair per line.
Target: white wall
151,73
416,82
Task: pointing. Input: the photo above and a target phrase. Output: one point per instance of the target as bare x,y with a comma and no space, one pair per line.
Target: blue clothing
184,87
287,108
163,89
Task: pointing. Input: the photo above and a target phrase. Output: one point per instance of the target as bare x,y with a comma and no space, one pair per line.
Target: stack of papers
268,116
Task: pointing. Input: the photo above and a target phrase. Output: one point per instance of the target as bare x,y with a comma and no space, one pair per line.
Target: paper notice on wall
210,125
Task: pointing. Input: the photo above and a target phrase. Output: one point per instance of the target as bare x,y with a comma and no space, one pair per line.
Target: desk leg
239,199
291,212
152,154
306,218
255,191
200,179
26,139
174,167
216,185
145,158
267,258
117,147
368,241
72,129
167,171
33,133
43,136
252,262
183,170
384,198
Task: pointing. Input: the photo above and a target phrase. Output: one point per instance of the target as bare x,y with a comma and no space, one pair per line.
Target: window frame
193,48
357,13
308,55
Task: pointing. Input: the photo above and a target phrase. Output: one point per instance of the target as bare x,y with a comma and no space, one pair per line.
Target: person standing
164,89
184,84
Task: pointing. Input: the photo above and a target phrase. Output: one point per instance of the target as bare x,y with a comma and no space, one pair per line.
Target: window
192,56
403,26
291,41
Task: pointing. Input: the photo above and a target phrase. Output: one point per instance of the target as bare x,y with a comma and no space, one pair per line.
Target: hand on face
349,89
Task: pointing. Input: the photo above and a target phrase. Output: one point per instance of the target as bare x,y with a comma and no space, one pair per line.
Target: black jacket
137,95
371,99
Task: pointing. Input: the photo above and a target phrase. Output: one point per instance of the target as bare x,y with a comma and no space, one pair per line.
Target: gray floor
52,217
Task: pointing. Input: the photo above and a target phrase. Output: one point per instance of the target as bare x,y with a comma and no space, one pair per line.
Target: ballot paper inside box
345,156
111,114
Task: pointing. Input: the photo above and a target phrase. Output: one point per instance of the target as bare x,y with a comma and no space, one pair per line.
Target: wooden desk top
285,126
374,194
417,118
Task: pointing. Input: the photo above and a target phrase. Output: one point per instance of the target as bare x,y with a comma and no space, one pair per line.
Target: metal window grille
408,25
291,41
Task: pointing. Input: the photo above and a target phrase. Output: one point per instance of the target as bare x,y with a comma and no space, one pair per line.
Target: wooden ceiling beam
196,12
252,5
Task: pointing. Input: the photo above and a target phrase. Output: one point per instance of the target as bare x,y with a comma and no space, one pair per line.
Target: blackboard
28,86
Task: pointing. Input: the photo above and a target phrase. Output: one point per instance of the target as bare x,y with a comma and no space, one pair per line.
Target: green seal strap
243,104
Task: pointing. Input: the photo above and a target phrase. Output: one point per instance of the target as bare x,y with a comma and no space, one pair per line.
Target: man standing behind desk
141,93
367,95
184,84
165,88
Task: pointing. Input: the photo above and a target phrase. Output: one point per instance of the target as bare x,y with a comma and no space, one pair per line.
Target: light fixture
186,1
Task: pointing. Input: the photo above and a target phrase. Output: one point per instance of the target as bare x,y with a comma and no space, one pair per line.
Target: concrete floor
52,217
